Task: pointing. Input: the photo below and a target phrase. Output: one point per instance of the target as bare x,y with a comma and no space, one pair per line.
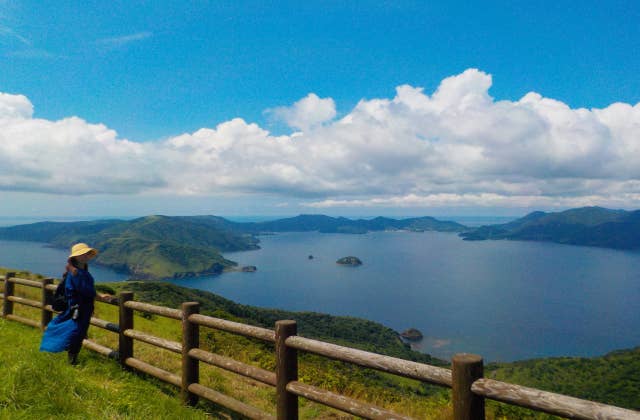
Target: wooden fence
469,387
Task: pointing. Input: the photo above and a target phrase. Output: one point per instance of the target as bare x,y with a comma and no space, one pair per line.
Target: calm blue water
505,300
42,259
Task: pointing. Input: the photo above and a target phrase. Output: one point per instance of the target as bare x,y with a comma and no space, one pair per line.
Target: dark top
80,290
64,332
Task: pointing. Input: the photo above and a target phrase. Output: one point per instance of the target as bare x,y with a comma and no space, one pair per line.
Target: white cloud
118,41
15,106
456,147
307,113
12,36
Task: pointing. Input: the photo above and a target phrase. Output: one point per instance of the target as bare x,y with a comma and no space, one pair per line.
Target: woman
69,328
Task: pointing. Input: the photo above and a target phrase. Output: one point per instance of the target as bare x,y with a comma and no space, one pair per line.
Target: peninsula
586,226
156,247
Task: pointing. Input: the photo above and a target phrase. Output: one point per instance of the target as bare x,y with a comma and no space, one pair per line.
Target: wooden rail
469,387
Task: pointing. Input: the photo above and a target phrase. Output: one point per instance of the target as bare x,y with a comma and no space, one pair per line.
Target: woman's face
83,259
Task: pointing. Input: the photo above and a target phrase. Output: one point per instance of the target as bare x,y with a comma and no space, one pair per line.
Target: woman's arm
70,289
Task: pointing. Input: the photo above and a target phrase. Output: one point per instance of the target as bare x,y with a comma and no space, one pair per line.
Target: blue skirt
60,333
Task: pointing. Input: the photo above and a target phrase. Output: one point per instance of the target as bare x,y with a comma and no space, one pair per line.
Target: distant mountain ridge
327,224
155,247
586,226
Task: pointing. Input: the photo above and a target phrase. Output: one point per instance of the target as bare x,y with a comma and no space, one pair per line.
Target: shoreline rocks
412,334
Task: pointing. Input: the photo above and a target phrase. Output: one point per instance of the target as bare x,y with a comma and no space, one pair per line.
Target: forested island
156,247
586,226
350,260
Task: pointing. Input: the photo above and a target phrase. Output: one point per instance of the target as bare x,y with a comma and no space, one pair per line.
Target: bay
504,300
41,258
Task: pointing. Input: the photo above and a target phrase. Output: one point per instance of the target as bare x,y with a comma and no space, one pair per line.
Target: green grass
43,386
611,379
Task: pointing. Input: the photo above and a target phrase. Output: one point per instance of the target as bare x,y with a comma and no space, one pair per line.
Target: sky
357,108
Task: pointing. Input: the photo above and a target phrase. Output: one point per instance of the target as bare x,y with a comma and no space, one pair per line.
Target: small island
249,269
412,334
350,260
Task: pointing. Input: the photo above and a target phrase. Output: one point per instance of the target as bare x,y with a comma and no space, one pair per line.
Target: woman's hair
73,265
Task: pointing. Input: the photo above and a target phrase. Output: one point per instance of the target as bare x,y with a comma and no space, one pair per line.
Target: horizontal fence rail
173,346
346,404
256,373
154,371
470,388
234,327
228,402
154,309
401,367
549,402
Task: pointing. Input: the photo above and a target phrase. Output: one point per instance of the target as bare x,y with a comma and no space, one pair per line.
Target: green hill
587,226
327,224
351,331
156,247
104,390
149,247
611,379
43,386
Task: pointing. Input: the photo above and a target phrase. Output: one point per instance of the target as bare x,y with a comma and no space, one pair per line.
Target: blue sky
154,71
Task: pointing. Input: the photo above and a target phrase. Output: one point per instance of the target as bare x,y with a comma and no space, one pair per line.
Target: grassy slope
43,386
355,332
402,395
612,379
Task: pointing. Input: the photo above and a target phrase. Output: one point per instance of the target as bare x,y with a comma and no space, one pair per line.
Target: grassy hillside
354,332
43,386
148,248
612,379
399,394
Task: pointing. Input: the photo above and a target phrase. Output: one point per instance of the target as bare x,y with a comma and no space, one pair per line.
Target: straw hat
81,249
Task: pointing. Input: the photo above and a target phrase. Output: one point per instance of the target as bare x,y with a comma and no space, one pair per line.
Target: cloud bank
455,147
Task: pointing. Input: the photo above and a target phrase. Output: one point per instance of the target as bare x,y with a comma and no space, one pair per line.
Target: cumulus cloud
455,147
307,113
15,106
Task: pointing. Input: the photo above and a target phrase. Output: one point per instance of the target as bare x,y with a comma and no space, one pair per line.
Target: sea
504,300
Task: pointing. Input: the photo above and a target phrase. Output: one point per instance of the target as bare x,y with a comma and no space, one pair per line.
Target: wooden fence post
125,344
466,369
190,340
7,305
286,371
46,300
